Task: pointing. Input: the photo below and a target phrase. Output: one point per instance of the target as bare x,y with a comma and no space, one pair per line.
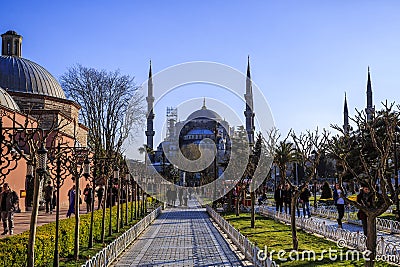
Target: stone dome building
7,101
29,92
35,91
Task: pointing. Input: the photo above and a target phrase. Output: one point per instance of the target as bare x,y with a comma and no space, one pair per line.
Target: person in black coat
305,200
287,198
278,197
365,199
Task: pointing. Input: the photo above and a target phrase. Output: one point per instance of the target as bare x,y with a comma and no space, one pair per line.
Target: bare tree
112,108
364,154
111,105
309,148
284,154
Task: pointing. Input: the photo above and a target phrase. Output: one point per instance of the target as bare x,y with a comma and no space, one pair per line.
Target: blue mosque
201,125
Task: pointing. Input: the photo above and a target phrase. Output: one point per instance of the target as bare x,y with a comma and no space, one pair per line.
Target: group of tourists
182,194
88,194
283,198
51,200
364,197
284,193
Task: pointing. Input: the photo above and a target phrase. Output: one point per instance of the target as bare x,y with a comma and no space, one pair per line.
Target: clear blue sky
304,54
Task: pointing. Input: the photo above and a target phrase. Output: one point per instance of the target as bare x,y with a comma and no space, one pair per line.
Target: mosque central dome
204,113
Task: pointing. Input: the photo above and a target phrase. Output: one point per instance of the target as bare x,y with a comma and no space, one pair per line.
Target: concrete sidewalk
22,219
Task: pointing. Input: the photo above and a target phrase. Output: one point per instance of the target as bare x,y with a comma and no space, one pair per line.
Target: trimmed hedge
13,249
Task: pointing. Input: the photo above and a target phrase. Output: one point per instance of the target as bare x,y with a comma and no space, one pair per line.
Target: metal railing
108,254
350,216
390,251
249,250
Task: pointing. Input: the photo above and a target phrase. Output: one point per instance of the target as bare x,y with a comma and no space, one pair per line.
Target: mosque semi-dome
7,101
18,74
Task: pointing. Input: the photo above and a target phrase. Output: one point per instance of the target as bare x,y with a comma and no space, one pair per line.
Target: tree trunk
139,209
126,204
90,245
118,205
230,201
371,240
293,222
103,218
77,198
33,223
237,203
253,218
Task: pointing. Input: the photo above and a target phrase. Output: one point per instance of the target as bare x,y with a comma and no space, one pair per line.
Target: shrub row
13,249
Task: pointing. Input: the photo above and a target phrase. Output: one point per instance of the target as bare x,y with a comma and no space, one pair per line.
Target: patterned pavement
180,237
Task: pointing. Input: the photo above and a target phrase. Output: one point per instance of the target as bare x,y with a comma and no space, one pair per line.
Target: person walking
278,197
365,199
48,197
338,198
287,198
185,197
305,200
100,194
8,205
173,196
180,196
71,199
88,197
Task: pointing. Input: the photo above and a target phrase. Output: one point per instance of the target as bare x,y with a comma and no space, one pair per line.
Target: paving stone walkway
180,237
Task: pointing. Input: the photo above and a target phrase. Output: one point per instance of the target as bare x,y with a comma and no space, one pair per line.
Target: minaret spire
346,126
248,113
370,109
150,114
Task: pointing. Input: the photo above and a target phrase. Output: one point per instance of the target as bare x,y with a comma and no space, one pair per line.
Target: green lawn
278,236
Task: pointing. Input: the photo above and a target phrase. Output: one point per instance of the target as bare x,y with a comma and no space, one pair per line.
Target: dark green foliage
13,250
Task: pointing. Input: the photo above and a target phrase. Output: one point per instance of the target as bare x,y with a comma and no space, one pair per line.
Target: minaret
150,114
370,109
248,113
346,126
11,44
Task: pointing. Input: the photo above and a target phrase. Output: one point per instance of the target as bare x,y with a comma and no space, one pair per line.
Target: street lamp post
56,260
86,172
29,184
41,160
133,199
396,173
275,180
117,178
314,158
144,194
90,245
127,180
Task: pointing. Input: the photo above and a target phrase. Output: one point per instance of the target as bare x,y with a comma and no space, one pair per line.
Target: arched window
16,47
8,48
